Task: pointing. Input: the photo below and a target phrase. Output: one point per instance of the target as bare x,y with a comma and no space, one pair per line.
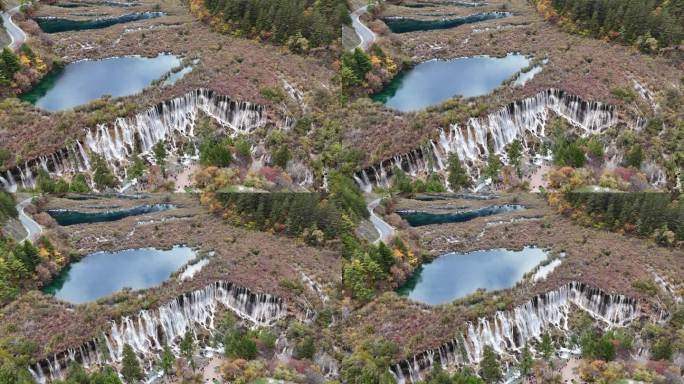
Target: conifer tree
493,167
546,347
458,177
514,152
79,184
28,254
526,361
167,359
649,24
159,151
9,63
102,175
281,156
491,370
187,347
384,257
130,366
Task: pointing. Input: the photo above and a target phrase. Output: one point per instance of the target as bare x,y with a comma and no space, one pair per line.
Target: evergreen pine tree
167,360
546,347
237,345
491,370
28,254
385,257
458,177
102,175
526,361
514,152
79,184
9,63
130,366
282,156
159,151
187,347
137,168
493,167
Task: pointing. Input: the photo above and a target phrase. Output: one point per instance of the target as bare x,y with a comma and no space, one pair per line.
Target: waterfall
509,331
165,122
147,331
472,142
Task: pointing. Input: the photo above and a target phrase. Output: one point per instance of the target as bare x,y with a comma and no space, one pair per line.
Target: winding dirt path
365,34
17,36
385,231
33,229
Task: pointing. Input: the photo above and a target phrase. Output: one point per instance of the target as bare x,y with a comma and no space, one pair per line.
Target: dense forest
314,216
302,24
7,208
654,215
323,219
649,24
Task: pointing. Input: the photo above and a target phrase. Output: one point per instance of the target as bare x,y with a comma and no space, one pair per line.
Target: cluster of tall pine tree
18,263
9,65
647,214
289,212
305,23
650,24
307,214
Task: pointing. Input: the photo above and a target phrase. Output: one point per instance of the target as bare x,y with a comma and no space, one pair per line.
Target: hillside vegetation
655,215
301,24
648,24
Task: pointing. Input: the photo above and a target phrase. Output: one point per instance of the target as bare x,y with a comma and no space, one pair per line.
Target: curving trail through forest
33,229
385,231
365,34
16,34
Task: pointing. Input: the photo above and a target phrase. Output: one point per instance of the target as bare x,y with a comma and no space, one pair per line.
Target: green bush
238,345
305,348
281,156
369,363
648,287
567,152
624,94
634,156
276,95
214,152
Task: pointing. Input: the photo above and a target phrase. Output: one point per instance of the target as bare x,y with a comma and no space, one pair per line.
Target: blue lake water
67,217
418,218
84,81
56,24
403,25
103,273
455,275
435,81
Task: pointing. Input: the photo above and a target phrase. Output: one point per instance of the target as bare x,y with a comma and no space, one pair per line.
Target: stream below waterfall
83,81
418,218
436,81
66,217
403,25
56,24
103,273
455,275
